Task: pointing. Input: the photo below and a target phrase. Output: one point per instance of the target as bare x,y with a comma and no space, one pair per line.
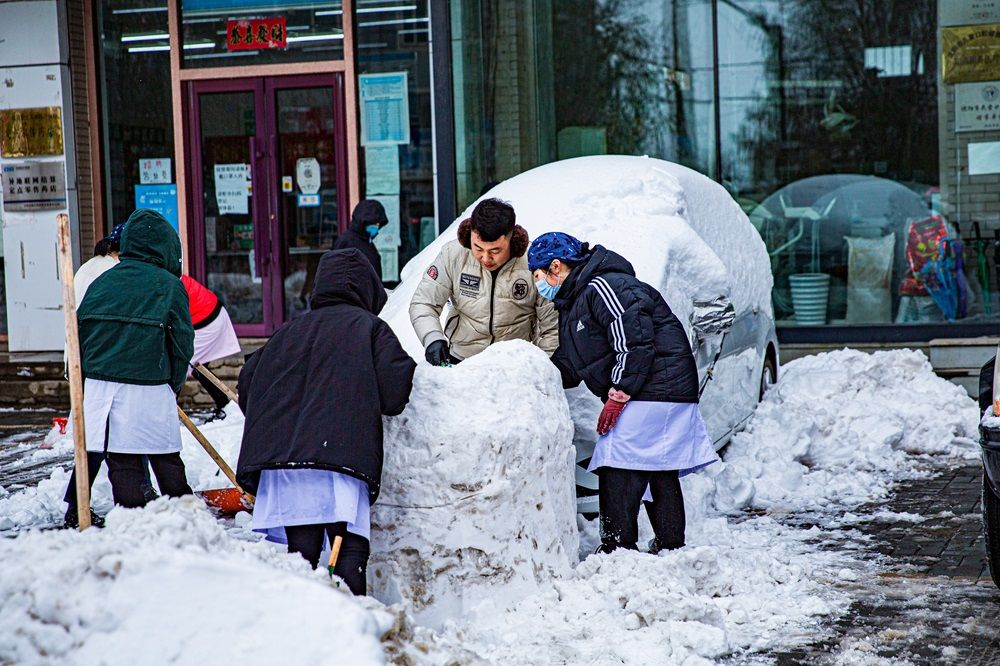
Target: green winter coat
135,321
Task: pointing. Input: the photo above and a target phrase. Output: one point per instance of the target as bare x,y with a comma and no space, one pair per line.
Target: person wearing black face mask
367,220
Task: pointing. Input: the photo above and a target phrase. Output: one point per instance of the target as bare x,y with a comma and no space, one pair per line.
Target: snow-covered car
989,440
685,235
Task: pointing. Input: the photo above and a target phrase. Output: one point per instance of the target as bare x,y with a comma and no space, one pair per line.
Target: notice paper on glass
984,158
385,109
154,170
390,264
232,188
161,198
388,236
381,170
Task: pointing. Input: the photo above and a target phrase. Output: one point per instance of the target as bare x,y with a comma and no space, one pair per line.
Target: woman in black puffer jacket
619,337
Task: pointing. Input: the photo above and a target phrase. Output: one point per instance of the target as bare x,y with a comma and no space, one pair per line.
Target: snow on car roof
680,230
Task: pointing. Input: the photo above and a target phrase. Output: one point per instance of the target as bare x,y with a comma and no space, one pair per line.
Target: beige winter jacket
482,312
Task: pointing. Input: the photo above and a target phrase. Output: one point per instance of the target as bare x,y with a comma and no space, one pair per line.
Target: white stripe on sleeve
617,328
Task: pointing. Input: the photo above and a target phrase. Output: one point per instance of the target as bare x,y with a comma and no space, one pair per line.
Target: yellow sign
31,132
970,53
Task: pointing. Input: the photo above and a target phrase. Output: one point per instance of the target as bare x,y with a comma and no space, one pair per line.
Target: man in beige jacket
485,276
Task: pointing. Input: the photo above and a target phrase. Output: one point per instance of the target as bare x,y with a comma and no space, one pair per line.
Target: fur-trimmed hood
519,239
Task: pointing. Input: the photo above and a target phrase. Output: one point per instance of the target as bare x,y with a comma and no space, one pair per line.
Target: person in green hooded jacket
136,340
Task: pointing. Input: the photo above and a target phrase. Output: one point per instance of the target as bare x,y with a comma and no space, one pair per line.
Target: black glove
437,353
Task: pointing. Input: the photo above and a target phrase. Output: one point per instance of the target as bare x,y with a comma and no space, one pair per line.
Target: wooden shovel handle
210,376
335,550
210,450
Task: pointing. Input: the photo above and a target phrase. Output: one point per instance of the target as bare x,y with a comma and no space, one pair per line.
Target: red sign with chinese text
256,34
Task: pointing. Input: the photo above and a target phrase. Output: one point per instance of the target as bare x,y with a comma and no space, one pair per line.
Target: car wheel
768,376
991,528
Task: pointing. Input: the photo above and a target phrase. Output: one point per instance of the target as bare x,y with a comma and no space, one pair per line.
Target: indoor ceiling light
315,38
372,24
147,49
144,38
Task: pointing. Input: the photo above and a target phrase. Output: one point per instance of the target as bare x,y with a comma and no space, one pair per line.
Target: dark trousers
352,563
94,460
220,398
128,470
620,495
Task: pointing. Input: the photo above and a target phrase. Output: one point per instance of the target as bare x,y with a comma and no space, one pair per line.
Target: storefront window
394,86
134,62
634,78
579,77
829,132
220,33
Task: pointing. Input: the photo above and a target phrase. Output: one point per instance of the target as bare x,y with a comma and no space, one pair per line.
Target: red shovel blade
228,501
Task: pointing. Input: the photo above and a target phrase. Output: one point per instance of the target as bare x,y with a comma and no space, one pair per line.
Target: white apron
656,436
310,497
215,341
137,419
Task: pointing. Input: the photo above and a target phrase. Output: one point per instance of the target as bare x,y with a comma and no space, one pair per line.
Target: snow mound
750,586
682,232
167,585
841,427
478,497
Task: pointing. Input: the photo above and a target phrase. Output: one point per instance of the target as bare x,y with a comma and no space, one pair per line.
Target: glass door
268,191
310,184
230,232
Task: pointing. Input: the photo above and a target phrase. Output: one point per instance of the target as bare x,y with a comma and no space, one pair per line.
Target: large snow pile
168,585
682,232
478,491
841,427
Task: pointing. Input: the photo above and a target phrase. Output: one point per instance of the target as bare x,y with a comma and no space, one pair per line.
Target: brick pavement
934,601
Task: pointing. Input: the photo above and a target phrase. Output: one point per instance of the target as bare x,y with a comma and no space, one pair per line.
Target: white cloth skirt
310,497
215,341
656,436
137,419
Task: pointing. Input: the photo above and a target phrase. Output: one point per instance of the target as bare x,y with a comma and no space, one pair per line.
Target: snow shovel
228,501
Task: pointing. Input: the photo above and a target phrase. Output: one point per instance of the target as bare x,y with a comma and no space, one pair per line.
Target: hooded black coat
617,332
314,395
367,212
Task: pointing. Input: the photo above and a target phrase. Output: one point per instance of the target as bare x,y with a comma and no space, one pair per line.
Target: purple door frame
269,243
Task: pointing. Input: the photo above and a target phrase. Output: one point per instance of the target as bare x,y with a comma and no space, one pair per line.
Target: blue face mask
546,290
372,230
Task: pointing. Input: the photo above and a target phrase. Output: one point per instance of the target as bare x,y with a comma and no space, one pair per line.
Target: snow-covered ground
169,580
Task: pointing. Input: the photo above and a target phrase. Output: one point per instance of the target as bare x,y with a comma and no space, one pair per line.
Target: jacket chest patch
580,326
520,289
468,285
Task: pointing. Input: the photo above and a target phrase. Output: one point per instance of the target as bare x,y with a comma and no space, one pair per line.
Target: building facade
862,138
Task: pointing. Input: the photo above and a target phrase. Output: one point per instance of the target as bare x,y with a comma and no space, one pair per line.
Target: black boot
71,520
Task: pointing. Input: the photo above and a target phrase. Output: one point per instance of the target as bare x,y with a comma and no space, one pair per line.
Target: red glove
609,416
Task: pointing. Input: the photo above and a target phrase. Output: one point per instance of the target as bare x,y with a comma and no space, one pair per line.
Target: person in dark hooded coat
366,221
314,397
136,340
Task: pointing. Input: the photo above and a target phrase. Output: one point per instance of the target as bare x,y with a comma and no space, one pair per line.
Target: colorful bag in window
923,240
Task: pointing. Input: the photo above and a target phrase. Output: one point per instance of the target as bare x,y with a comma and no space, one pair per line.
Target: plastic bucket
810,293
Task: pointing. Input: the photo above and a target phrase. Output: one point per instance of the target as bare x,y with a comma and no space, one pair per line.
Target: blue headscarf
116,234
555,245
